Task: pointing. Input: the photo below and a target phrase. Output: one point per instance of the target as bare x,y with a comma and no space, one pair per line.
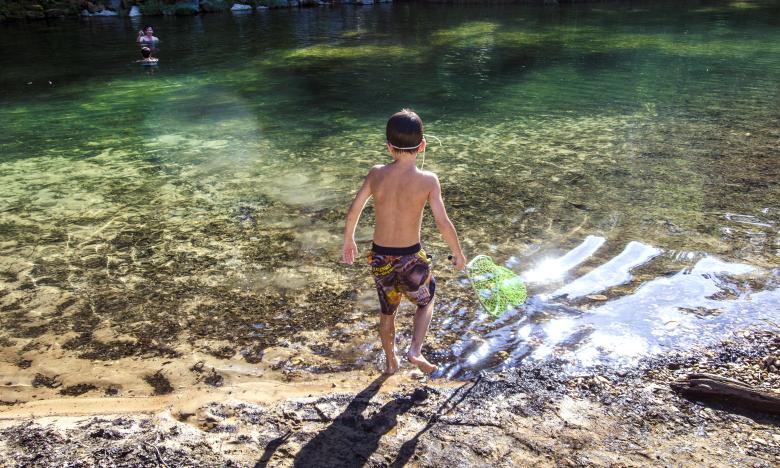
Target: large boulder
186,8
34,12
55,13
154,8
210,6
134,11
12,10
240,8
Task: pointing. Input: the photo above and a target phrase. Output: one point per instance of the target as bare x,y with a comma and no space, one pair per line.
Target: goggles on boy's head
405,148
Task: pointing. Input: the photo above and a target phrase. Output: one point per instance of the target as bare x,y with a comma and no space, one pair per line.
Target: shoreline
25,11
534,414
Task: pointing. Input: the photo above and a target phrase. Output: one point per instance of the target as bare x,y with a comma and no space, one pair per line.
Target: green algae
342,52
472,34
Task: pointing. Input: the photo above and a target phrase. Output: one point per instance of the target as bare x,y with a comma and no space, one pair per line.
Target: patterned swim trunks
404,271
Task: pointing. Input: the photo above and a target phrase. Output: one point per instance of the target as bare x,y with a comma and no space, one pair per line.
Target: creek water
623,158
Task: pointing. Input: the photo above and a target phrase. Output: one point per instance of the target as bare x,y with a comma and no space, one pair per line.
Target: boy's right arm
349,250
445,225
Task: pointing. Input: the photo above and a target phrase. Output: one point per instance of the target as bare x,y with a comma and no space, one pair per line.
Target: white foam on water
660,315
613,273
666,313
747,219
553,268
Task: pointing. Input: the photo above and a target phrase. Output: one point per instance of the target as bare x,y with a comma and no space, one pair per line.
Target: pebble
597,297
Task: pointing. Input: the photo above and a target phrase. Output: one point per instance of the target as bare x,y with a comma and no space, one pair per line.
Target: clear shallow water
624,151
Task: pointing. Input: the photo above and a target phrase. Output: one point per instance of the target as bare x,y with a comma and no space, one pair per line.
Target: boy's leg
422,319
387,335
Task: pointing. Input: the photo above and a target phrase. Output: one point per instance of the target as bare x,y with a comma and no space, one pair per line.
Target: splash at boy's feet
399,265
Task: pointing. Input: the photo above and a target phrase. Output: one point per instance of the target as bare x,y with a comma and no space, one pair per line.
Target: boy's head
405,132
146,52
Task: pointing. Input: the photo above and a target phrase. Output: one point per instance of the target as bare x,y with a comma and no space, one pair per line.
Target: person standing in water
146,36
398,263
147,59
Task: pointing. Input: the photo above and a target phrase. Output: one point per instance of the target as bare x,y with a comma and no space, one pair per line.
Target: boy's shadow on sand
352,438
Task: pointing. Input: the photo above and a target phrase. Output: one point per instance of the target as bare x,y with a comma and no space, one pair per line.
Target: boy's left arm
349,251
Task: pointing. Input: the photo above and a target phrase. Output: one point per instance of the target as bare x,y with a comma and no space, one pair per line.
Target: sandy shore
531,415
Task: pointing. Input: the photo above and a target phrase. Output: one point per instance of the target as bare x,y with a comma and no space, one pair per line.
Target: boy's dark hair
405,131
146,52
146,27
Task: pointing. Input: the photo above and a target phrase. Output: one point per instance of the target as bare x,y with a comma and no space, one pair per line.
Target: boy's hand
458,261
349,251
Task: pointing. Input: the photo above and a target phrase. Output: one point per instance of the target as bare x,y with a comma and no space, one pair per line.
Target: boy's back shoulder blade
430,177
375,168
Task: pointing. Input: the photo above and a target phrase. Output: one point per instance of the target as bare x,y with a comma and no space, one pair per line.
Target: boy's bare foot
421,363
391,366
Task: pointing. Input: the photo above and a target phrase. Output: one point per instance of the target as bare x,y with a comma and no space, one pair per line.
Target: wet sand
532,415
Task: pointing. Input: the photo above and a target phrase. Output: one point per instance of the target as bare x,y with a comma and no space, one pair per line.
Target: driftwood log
715,387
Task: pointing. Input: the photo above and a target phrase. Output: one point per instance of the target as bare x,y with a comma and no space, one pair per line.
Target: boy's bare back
398,263
400,192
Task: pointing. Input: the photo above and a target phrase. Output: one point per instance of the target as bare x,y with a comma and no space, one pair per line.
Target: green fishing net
497,287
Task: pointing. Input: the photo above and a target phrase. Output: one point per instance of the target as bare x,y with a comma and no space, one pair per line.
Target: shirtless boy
398,263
